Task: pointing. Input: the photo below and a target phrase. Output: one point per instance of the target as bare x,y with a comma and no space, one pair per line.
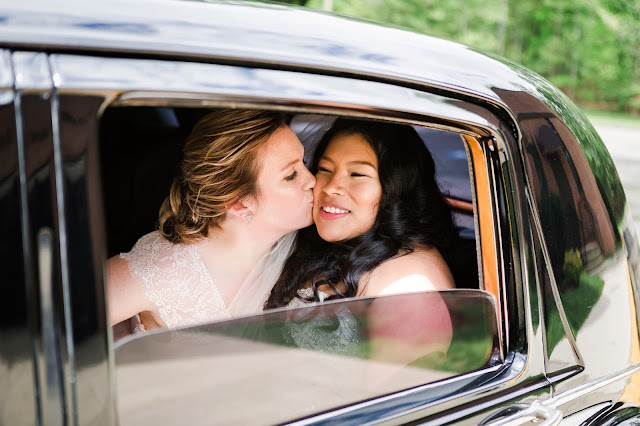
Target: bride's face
348,190
285,197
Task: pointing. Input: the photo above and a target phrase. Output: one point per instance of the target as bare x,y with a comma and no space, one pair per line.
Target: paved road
623,142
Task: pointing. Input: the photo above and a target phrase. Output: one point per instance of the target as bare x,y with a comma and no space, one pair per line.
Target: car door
87,89
84,91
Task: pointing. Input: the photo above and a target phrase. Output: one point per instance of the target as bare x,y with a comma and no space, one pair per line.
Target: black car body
95,99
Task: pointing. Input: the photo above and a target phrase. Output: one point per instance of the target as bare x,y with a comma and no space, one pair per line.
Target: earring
248,217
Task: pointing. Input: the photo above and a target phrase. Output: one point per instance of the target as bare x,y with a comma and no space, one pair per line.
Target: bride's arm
126,296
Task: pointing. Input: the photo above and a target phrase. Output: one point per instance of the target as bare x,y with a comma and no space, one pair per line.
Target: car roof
260,33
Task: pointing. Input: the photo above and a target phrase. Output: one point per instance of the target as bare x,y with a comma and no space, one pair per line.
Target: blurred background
590,49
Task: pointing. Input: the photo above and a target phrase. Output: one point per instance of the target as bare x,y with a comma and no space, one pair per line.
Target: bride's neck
237,244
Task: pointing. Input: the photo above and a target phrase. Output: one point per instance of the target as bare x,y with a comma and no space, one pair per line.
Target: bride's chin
325,235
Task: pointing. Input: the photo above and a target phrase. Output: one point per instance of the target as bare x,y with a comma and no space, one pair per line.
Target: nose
334,186
310,180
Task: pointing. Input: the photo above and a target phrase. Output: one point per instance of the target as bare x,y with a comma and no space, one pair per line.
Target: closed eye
292,176
322,169
358,174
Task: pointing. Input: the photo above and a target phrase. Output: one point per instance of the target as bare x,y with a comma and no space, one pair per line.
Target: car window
135,126
289,364
372,347
139,177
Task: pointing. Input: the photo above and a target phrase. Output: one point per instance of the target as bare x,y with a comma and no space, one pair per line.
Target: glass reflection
576,222
306,360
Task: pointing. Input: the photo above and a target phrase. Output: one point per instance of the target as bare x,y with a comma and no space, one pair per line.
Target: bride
225,229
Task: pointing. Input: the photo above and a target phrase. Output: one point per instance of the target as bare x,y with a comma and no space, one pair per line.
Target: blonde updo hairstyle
219,165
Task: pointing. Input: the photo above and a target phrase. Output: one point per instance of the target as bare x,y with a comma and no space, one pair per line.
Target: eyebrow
350,163
291,163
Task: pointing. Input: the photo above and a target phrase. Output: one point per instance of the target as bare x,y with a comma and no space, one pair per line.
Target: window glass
288,364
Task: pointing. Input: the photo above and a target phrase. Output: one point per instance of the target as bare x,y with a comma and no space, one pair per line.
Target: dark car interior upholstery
140,151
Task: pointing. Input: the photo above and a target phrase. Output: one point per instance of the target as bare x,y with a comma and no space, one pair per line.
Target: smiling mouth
334,210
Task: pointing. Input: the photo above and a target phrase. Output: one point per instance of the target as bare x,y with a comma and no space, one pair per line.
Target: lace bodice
176,281
339,334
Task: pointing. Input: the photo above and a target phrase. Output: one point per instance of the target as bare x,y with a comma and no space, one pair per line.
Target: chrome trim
36,344
377,401
6,72
585,388
580,418
70,367
534,411
542,324
493,179
147,82
498,375
51,393
489,396
32,71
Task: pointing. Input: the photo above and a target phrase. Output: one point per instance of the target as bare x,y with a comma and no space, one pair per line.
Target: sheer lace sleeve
176,281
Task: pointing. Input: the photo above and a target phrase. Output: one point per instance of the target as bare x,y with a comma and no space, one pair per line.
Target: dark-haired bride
382,227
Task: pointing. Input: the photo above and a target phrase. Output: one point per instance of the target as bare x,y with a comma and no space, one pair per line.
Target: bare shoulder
423,269
126,295
117,268
119,276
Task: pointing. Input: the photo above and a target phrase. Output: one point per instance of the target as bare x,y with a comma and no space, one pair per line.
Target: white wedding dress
178,283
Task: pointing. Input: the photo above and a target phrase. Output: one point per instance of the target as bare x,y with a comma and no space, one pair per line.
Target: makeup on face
347,191
285,184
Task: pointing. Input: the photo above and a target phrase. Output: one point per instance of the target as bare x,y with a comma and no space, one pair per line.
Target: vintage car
96,99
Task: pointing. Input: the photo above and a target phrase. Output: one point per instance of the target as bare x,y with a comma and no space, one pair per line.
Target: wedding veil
256,288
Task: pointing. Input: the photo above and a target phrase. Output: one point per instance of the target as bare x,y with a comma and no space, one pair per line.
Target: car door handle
519,413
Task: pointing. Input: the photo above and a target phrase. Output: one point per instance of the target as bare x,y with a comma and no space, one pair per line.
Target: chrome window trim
139,82
37,352
127,82
32,71
6,71
362,408
70,364
32,75
51,390
546,259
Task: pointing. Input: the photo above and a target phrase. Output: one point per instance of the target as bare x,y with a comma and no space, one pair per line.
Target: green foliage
577,304
589,48
470,350
572,265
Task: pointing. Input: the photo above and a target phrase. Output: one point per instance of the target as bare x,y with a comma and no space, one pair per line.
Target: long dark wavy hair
412,213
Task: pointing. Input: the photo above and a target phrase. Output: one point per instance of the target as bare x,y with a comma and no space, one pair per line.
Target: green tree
588,48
